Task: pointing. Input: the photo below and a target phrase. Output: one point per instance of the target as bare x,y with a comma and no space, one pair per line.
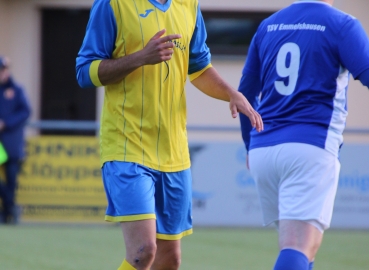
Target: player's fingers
158,34
166,58
234,110
254,117
260,121
166,52
168,45
166,55
253,121
259,125
169,38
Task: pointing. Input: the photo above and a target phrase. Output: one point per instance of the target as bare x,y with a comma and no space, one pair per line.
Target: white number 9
292,71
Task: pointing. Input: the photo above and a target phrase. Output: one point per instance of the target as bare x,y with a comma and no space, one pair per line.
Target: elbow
79,77
83,79
364,78
81,83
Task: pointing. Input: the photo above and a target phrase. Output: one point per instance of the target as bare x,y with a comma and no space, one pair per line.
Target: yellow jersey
144,115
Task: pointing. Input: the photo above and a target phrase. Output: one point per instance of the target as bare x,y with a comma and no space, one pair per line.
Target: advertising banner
61,182
352,201
224,193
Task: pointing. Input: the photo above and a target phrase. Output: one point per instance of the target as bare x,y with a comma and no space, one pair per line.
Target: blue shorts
135,192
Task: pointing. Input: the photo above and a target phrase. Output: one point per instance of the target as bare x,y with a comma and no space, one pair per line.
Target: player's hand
159,49
238,103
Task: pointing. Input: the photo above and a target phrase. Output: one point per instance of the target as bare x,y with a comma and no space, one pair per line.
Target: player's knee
314,249
172,260
175,263
144,255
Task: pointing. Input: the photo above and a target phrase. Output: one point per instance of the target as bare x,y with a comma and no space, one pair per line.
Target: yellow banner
61,180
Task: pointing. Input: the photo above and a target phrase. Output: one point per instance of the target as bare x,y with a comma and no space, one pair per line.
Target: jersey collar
162,7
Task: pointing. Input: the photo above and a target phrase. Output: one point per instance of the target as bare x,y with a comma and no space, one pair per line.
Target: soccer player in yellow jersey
142,52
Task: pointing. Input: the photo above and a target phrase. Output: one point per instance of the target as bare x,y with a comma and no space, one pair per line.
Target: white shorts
295,181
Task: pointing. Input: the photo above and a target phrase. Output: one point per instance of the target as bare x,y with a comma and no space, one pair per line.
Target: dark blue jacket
14,111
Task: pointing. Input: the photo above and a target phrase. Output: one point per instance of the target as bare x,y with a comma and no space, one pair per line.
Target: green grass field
56,247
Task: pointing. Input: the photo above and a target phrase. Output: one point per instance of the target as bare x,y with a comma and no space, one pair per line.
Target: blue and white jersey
297,74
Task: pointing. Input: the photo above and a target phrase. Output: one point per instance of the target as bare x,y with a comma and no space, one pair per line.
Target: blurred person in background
142,52
296,75
14,112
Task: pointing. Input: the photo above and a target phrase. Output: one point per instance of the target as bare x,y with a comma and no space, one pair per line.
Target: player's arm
205,77
354,50
98,44
95,66
250,86
211,84
157,50
364,78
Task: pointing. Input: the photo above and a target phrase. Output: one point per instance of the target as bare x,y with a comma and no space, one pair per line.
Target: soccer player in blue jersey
296,75
142,52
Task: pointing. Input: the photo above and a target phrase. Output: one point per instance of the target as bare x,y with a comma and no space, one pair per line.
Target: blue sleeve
199,51
253,64
99,40
21,113
364,78
354,48
250,87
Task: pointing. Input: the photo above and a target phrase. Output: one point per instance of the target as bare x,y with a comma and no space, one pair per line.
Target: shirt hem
267,144
157,167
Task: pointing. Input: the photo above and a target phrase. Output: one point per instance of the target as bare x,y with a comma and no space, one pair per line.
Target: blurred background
60,182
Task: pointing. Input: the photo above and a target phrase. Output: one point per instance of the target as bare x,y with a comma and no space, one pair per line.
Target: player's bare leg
140,241
300,236
168,255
